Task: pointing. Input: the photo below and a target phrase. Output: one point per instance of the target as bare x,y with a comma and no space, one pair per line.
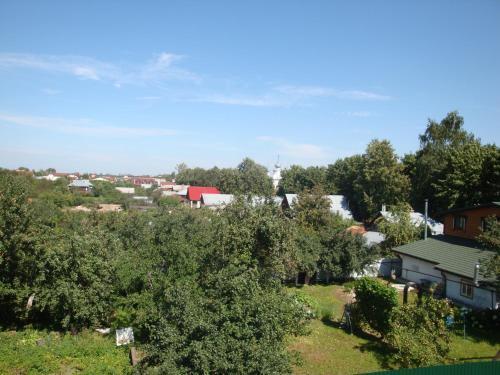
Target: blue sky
138,87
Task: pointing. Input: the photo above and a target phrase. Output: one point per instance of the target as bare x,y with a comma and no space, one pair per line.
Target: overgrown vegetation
202,289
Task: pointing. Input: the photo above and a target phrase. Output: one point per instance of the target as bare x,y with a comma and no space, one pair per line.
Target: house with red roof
194,194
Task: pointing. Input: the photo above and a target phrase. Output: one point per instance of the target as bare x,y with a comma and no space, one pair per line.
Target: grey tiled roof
451,254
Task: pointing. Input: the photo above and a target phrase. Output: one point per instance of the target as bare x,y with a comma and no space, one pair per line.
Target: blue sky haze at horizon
128,87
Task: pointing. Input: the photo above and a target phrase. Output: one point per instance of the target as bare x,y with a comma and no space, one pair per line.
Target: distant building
276,175
416,218
194,194
83,186
125,190
468,222
338,204
216,201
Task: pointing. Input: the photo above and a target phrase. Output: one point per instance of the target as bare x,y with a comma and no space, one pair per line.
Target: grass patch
328,349
85,353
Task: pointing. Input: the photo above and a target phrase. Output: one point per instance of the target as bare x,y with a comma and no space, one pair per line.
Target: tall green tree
428,164
382,180
254,178
296,179
21,238
342,177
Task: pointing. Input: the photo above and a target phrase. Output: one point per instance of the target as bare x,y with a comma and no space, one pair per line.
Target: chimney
426,213
476,275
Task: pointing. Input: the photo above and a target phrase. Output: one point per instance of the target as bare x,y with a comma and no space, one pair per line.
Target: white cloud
83,127
318,91
360,95
256,101
85,72
161,68
289,95
296,150
360,114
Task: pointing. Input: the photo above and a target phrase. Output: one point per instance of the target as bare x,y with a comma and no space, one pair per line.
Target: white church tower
276,174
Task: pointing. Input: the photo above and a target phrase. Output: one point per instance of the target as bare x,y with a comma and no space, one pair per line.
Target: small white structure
339,206
417,219
373,238
276,174
126,190
124,336
49,177
215,201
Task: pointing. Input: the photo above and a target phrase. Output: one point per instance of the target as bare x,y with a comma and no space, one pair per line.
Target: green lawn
85,353
330,350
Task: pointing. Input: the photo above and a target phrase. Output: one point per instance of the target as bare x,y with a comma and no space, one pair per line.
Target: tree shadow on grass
374,345
381,352
475,335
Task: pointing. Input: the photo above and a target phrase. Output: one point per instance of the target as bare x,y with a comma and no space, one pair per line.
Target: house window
466,289
459,222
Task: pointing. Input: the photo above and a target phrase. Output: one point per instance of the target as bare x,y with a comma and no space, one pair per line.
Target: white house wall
415,270
482,298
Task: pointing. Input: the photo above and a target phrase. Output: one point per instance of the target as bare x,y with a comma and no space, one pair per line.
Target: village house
452,260
194,193
82,186
417,218
125,190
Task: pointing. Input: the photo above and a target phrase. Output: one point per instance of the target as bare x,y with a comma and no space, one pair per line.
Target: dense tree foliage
247,178
490,239
452,167
296,179
399,229
370,180
374,304
418,334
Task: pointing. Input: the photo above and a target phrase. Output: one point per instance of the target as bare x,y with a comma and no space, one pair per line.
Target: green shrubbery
418,334
415,333
374,304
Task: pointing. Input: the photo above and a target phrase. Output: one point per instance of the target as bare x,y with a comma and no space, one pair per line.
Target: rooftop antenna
426,212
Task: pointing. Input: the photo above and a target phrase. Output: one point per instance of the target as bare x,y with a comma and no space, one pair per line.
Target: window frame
467,285
460,218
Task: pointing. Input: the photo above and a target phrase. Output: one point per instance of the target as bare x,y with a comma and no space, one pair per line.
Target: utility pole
426,213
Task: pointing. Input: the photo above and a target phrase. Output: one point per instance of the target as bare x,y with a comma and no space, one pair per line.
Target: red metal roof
195,192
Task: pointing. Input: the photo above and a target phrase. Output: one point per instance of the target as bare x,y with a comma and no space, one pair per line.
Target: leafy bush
374,303
308,304
418,333
75,287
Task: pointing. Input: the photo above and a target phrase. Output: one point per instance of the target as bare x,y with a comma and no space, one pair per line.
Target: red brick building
467,222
